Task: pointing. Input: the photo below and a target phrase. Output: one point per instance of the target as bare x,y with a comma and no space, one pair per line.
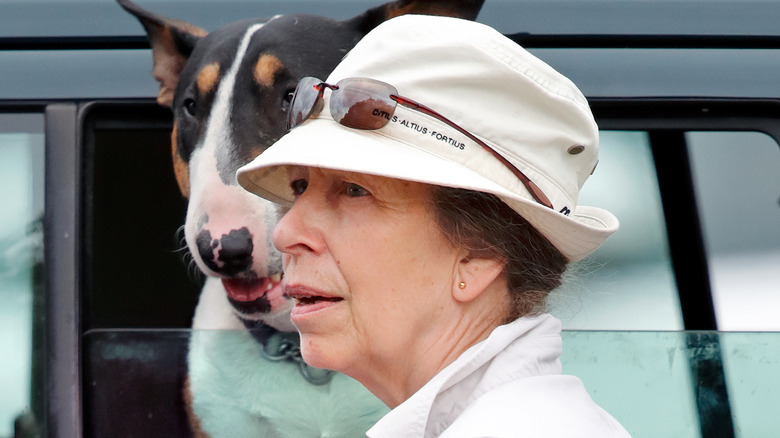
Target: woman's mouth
309,301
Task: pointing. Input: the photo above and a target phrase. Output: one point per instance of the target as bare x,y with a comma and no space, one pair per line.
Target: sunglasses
368,104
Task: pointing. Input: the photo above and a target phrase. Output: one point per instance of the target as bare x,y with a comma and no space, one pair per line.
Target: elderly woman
432,187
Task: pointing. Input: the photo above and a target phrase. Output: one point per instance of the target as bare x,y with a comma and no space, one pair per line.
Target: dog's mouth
251,296
245,290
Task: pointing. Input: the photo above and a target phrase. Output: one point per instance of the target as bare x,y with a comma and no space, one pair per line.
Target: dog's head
230,91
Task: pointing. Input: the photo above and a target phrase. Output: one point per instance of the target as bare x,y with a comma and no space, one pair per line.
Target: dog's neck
276,346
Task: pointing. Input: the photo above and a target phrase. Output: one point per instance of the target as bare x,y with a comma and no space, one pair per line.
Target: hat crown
531,114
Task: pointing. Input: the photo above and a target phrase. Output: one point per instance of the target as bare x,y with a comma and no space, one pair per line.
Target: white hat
532,115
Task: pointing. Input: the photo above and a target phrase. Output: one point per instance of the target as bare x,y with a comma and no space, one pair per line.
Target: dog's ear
172,43
466,9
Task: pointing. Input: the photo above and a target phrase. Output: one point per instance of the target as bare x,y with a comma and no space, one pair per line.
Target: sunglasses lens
362,103
304,101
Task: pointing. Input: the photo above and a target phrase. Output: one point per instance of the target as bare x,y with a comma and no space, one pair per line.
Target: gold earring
462,285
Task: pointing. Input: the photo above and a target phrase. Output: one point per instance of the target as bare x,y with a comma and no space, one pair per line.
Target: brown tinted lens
304,101
362,103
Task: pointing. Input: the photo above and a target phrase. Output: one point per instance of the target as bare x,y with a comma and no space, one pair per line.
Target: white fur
214,312
238,394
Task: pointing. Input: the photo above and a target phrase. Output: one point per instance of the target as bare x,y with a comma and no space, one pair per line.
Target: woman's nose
298,232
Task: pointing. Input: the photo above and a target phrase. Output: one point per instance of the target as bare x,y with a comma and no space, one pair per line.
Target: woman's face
368,266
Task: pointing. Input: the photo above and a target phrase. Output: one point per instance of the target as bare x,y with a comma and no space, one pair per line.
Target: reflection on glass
21,254
134,379
628,284
737,182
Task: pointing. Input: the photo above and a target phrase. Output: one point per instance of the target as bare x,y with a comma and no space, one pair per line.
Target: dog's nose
229,255
236,252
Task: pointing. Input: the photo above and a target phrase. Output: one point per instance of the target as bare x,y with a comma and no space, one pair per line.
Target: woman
432,182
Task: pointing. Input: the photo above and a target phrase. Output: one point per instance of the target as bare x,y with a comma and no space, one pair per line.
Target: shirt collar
528,346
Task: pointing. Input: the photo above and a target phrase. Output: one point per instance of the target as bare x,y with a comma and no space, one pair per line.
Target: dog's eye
190,106
287,101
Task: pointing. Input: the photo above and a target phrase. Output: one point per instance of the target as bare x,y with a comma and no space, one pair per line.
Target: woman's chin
318,355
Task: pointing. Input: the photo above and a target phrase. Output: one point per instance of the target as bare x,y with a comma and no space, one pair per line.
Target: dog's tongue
247,290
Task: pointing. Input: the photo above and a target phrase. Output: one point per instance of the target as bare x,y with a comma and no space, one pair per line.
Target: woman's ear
474,276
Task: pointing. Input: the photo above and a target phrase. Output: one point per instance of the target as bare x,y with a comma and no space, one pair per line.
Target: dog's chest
237,393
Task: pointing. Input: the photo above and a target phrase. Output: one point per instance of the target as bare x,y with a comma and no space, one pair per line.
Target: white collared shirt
508,385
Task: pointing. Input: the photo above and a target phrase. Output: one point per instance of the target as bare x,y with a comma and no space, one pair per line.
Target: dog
229,91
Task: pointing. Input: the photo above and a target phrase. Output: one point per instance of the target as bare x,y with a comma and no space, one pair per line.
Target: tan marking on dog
208,78
194,421
266,68
180,167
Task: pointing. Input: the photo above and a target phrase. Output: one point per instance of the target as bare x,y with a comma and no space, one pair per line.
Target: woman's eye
299,186
355,190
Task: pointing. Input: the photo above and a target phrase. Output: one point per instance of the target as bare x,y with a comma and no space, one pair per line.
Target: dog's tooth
276,278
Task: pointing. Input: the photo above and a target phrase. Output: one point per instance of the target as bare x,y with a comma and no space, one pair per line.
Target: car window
134,204
737,181
21,257
620,307
699,382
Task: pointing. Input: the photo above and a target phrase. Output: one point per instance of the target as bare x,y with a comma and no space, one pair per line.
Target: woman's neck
395,379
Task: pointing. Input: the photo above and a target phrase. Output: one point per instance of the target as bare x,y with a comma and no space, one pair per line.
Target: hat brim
324,143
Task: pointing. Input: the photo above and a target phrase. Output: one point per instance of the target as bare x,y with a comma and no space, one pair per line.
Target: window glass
631,374
127,155
750,363
628,284
737,183
21,258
